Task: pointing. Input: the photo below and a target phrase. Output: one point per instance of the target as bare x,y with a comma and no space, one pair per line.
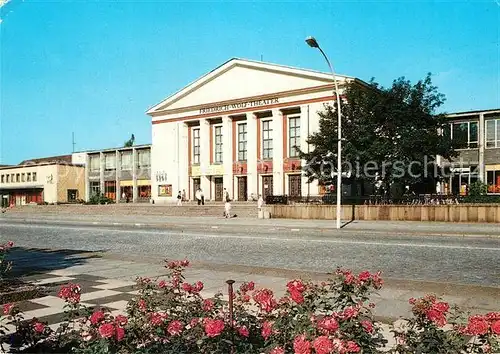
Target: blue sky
95,67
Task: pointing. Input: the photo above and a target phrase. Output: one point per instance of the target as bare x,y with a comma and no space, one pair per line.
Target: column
102,169
227,158
481,146
118,166
135,192
252,146
87,179
205,157
278,174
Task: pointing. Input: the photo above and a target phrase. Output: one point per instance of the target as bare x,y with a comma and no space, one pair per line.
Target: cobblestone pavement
109,283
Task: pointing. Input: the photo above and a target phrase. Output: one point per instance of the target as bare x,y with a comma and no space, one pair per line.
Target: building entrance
242,188
219,188
267,186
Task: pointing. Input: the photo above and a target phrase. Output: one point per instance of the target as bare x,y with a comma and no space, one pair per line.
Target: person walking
198,196
179,199
202,197
184,195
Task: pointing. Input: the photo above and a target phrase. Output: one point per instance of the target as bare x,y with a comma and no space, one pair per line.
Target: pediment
240,79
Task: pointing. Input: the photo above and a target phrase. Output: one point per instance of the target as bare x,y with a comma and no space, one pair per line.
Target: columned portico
230,130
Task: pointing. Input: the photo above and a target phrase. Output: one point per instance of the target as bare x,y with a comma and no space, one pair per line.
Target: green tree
130,142
391,135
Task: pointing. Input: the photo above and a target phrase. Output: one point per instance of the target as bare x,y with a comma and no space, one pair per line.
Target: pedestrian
124,196
184,195
227,209
179,199
260,202
202,197
226,194
198,195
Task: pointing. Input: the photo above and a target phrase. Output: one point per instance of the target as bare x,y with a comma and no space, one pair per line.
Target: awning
126,183
140,182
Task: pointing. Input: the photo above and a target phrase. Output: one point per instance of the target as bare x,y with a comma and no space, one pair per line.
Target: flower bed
170,316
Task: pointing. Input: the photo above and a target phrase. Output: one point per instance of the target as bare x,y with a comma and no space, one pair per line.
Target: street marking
116,223
138,224
95,223
295,230
215,227
278,239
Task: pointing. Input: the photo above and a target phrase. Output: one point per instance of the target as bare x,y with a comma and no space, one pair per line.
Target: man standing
179,199
198,196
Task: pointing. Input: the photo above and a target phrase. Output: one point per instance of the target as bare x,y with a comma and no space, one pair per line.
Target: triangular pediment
240,79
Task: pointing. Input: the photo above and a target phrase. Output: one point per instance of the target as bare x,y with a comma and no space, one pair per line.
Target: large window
144,158
95,161
110,161
196,146
218,143
267,140
493,181
126,160
34,176
23,177
7,179
493,133
465,134
28,177
95,188
3,178
293,136
242,142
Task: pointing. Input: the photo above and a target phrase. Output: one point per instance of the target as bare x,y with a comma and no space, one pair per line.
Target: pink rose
175,328
7,308
39,327
162,284
277,350
352,347
121,320
213,327
120,333
368,326
194,322
187,287
97,317
297,296
495,327
301,345
243,331
157,318
198,286
267,329
364,276
208,305
107,330
328,325
265,299
142,305
323,345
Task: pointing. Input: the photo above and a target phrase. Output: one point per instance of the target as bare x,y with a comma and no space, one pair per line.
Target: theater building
238,127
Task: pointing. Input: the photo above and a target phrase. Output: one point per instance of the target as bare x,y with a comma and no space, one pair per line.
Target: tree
130,142
389,135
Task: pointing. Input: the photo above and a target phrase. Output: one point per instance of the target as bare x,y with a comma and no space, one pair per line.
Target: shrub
100,199
5,265
335,316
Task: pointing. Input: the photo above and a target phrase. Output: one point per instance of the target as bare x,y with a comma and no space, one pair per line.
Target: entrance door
196,186
267,186
295,185
242,188
219,188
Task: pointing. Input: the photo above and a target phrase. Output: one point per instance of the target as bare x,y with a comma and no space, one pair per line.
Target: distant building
478,133
120,174
46,180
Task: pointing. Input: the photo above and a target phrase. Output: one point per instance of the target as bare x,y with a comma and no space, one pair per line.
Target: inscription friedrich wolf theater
247,104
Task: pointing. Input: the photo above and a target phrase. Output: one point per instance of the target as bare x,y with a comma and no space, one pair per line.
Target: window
34,176
28,177
242,142
3,178
23,177
493,133
18,177
293,136
7,179
110,189
126,163
95,163
110,162
95,188
72,195
196,146
465,134
267,140
218,143
143,158
12,178
493,181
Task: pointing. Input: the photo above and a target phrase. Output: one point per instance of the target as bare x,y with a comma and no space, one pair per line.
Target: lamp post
311,41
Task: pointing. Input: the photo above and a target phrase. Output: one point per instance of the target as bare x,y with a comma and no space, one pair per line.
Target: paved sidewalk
261,225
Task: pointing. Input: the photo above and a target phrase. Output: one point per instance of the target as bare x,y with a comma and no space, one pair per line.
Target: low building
478,134
46,180
122,174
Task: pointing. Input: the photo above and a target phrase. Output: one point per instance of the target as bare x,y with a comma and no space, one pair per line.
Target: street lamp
311,41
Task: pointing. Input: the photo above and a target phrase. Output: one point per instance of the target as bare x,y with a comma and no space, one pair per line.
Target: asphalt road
461,260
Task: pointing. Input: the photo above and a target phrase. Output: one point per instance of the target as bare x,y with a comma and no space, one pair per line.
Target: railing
421,199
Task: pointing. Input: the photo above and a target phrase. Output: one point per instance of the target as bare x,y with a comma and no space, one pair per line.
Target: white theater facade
237,128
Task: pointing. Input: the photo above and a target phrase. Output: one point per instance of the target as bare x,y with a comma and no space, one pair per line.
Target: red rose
198,286
213,327
107,330
301,345
121,320
97,317
323,345
39,327
120,333
157,318
245,298
187,287
368,326
7,308
70,293
142,305
364,276
437,317
162,284
175,328
297,297
495,327
185,263
277,350
296,285
352,347
194,322
243,331
264,298
267,329
441,307
328,325
208,305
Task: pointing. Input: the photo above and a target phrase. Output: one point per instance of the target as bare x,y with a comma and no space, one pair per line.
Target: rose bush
171,316
5,265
